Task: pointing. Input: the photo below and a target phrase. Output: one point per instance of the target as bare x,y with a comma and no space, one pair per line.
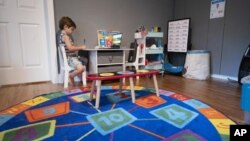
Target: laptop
116,40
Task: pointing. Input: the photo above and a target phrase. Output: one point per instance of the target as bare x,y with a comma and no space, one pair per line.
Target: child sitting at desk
67,26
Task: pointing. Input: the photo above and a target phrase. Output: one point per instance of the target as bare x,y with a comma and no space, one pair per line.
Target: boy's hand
83,47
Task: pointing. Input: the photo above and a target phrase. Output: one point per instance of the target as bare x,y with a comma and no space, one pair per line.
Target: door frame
51,44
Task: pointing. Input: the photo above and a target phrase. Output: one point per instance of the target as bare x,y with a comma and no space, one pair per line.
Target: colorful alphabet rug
71,116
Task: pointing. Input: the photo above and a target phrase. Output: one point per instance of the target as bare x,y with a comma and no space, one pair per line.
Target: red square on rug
47,112
149,101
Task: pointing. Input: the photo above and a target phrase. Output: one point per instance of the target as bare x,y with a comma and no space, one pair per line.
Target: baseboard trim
20,84
224,77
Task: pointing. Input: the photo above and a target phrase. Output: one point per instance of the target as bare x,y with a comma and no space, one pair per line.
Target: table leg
137,82
124,64
123,80
156,85
98,93
120,86
92,90
131,82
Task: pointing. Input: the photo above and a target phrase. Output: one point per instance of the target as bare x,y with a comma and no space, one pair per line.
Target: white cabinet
106,60
154,53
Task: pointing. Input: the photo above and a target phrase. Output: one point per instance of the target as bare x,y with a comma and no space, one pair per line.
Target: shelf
110,64
155,34
150,34
154,67
154,50
153,53
110,68
150,53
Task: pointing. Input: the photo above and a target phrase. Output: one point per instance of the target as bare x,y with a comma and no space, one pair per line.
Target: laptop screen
109,39
116,39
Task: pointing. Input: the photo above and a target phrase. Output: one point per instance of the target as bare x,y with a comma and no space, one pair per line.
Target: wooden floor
221,95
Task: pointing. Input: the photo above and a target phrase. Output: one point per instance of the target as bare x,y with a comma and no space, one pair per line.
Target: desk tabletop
118,75
106,49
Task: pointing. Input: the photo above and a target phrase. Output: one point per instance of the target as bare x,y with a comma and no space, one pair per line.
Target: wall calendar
178,35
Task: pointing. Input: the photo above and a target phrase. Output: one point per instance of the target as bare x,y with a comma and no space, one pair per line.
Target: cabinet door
110,57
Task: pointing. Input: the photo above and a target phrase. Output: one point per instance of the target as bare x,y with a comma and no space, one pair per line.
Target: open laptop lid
116,40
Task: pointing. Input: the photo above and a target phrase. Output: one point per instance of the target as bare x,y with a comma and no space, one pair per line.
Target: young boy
67,26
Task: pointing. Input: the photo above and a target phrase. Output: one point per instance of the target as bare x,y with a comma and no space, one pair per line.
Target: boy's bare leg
71,80
78,71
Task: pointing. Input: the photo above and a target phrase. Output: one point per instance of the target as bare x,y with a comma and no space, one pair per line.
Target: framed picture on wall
217,9
178,35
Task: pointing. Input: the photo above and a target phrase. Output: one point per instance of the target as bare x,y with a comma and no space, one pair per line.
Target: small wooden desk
97,80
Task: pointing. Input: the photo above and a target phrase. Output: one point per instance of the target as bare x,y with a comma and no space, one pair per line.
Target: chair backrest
63,58
132,53
137,56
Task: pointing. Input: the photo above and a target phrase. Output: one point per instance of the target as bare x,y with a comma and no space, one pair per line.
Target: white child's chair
65,68
140,57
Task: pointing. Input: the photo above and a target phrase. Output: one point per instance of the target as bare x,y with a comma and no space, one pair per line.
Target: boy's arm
70,46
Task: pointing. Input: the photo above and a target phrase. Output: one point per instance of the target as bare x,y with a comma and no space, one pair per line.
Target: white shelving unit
156,50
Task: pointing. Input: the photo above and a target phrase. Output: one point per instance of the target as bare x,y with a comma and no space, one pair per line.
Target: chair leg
131,82
84,78
98,94
156,85
137,68
66,79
